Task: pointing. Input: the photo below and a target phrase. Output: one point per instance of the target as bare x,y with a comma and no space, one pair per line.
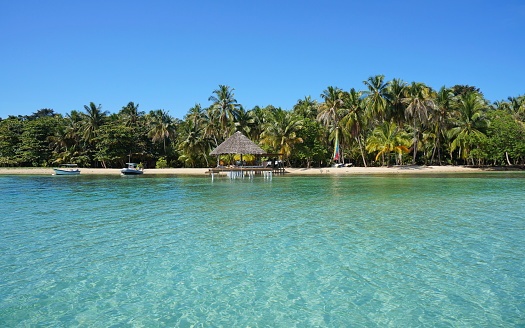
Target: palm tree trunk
361,150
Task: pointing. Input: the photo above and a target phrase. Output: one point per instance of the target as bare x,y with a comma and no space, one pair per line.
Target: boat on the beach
132,169
66,169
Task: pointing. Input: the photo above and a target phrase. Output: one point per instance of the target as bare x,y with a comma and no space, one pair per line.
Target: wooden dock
245,171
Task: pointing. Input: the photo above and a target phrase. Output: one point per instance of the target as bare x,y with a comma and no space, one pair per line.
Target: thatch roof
238,143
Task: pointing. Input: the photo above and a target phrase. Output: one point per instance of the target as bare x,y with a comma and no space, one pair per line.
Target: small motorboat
132,169
66,169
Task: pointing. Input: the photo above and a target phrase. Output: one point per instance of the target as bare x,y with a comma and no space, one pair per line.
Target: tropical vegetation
383,123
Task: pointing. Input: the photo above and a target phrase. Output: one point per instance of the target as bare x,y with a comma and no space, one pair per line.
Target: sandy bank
290,171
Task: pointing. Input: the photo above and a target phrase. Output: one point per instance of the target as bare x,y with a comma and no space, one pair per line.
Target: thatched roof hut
238,143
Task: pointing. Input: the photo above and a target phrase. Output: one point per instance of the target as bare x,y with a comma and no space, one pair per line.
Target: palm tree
387,138
130,114
377,96
225,104
195,114
330,112
306,107
419,102
468,122
193,143
210,122
280,132
244,121
355,119
396,108
92,121
161,127
438,119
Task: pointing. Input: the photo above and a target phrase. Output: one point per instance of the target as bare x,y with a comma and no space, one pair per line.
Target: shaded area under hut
239,144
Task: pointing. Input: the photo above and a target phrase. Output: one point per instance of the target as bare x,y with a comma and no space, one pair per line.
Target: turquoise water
401,251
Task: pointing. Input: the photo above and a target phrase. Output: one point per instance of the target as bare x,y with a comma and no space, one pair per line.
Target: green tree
467,122
281,132
505,139
10,135
419,102
388,138
161,127
354,120
438,120
193,145
306,108
114,142
396,91
130,114
225,105
92,120
311,150
35,142
377,96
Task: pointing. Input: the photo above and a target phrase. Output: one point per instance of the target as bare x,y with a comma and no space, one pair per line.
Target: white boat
67,169
132,169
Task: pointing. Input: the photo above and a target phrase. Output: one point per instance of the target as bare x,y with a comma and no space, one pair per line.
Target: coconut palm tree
388,138
468,122
306,108
195,114
396,91
438,120
130,114
244,121
92,120
280,132
377,96
193,144
419,102
329,111
161,126
225,104
354,121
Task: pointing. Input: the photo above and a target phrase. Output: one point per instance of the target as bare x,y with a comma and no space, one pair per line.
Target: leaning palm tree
388,138
419,101
329,114
225,104
468,122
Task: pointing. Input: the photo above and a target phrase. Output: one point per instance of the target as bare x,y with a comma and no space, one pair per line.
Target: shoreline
405,169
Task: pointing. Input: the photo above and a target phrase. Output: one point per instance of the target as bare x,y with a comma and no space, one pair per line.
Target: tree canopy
381,123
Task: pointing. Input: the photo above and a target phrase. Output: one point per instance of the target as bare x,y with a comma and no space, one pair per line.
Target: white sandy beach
290,171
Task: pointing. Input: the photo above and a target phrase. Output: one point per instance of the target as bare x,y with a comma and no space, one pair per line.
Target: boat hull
66,172
131,172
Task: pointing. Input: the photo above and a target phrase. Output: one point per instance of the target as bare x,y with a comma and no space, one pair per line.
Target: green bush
161,163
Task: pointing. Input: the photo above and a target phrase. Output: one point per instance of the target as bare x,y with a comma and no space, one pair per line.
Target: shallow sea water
331,251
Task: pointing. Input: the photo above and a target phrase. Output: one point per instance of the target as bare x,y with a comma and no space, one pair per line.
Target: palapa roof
238,143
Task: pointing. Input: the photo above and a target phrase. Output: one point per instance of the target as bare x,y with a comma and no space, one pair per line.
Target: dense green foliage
386,123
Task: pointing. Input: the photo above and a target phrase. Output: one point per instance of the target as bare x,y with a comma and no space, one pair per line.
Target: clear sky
163,54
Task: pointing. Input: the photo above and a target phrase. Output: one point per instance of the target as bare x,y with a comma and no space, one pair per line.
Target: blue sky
170,55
